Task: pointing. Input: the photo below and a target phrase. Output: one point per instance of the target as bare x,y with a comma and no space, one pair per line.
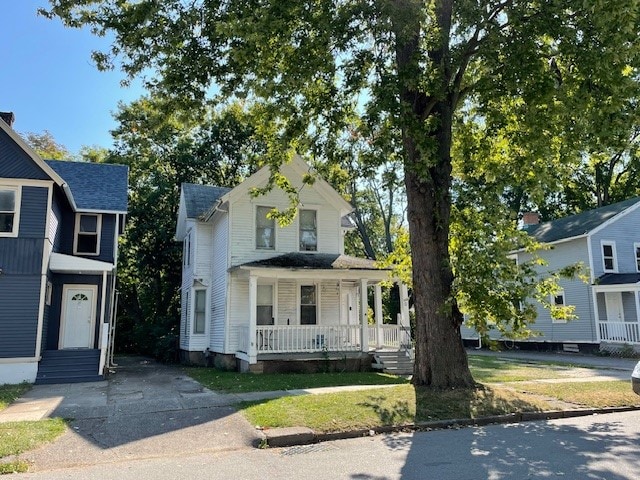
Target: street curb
294,436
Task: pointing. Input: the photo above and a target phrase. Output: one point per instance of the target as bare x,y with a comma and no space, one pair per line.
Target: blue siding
16,163
107,238
624,232
21,255
19,302
33,212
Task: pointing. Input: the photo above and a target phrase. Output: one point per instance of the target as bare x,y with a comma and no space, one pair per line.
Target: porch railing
307,338
625,332
391,336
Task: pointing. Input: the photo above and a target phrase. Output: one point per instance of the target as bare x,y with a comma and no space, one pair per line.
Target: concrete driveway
144,410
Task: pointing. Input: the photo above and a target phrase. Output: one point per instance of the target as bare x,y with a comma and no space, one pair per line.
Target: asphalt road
594,447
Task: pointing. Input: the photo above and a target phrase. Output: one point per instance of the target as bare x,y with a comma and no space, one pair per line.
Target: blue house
606,240
59,228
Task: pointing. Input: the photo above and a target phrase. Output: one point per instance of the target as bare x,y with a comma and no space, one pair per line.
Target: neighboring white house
607,241
256,294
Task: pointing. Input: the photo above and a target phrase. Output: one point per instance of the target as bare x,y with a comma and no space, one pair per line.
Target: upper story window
87,238
609,260
186,250
265,229
9,211
308,231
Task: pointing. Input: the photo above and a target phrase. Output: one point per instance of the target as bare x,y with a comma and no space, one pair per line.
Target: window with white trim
609,260
264,313
308,305
558,302
87,237
186,250
187,305
636,248
308,231
9,211
265,229
199,311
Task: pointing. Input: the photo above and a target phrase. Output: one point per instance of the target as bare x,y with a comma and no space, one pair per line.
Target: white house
607,241
255,295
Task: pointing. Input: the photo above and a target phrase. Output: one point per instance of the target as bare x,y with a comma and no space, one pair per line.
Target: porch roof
61,263
317,264
618,279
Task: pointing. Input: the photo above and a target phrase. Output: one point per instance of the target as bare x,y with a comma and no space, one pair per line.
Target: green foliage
163,148
46,146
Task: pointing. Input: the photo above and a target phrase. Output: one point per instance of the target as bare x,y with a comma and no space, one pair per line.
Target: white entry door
615,310
78,315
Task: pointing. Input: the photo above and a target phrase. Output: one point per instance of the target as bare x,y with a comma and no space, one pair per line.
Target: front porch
617,307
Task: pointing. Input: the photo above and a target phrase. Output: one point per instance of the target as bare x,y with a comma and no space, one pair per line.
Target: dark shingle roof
95,186
580,224
315,261
618,278
200,198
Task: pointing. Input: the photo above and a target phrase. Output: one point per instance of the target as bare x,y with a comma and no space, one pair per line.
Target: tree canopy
518,88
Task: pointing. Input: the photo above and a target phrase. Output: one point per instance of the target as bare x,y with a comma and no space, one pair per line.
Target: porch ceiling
69,264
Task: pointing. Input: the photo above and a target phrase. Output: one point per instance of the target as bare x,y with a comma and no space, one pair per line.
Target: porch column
596,315
377,294
364,339
404,305
637,329
253,301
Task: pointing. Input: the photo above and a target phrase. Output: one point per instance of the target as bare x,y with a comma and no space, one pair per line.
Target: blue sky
49,82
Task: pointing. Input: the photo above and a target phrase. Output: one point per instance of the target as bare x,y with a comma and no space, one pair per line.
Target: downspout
113,304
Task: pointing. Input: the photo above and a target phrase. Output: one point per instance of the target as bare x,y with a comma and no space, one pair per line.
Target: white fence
624,332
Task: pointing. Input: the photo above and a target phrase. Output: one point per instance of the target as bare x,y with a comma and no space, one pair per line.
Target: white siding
238,307
243,212
329,303
202,247
625,231
287,306
187,283
218,290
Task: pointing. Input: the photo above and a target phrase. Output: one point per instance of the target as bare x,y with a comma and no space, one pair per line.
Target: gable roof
199,199
95,186
579,224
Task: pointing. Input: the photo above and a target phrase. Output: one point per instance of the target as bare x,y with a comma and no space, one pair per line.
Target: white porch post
596,314
637,331
253,301
404,305
377,293
363,316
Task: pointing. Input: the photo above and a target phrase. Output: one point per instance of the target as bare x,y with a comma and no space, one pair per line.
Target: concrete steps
394,362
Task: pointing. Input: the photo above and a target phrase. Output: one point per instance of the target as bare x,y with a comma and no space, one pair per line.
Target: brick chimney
8,118
530,218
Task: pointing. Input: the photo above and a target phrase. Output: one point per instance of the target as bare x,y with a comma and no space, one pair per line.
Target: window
609,263
265,229
308,231
558,311
636,247
186,250
9,211
187,305
87,240
265,305
47,293
199,311
308,305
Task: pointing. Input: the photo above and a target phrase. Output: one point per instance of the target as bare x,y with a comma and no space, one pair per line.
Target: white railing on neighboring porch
389,336
307,338
625,332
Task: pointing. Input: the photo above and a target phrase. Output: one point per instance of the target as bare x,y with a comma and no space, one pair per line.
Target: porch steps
394,362
69,366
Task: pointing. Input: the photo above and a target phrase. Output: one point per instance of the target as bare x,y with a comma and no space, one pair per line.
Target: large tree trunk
441,361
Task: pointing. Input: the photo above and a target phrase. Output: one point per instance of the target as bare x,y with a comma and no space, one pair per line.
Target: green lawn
18,437
496,370
233,382
8,393
386,406
589,394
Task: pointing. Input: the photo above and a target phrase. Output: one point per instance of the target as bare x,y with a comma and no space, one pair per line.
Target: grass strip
13,467
385,407
588,394
234,382
8,393
18,437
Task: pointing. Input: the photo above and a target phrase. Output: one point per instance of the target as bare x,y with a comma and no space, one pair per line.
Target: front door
615,311
78,315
